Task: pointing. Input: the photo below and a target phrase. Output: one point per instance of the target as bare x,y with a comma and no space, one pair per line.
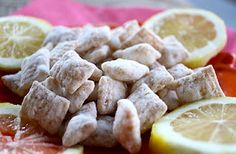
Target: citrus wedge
206,126
26,139
201,32
20,36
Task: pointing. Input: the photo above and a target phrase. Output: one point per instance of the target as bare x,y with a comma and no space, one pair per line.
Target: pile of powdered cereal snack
102,87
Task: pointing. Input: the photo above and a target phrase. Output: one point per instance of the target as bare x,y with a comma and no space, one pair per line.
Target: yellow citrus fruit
20,36
205,126
9,109
28,138
201,32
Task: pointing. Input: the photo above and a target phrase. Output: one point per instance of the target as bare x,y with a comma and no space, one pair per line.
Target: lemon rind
78,149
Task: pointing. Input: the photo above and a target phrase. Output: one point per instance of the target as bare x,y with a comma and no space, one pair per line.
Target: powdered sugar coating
124,70
44,107
126,126
33,68
142,53
109,92
81,125
149,106
71,71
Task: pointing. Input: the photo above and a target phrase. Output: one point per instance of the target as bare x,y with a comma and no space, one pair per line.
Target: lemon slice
10,109
206,126
201,32
20,36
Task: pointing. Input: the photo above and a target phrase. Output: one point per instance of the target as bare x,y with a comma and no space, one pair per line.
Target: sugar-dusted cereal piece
142,53
59,34
89,38
44,107
33,68
156,79
81,126
77,30
174,52
97,74
60,49
170,98
98,55
78,98
126,126
149,106
145,36
130,28
179,71
109,92
122,33
155,64
103,136
87,26
201,84
92,37
51,84
115,42
94,95
71,71
124,70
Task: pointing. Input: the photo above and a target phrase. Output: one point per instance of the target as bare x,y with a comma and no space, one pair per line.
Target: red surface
224,64
71,13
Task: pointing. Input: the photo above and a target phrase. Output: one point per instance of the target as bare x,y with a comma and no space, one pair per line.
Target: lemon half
20,37
202,32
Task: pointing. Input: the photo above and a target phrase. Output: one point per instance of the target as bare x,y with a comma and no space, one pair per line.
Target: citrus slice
206,126
201,32
20,36
9,109
26,139
8,114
